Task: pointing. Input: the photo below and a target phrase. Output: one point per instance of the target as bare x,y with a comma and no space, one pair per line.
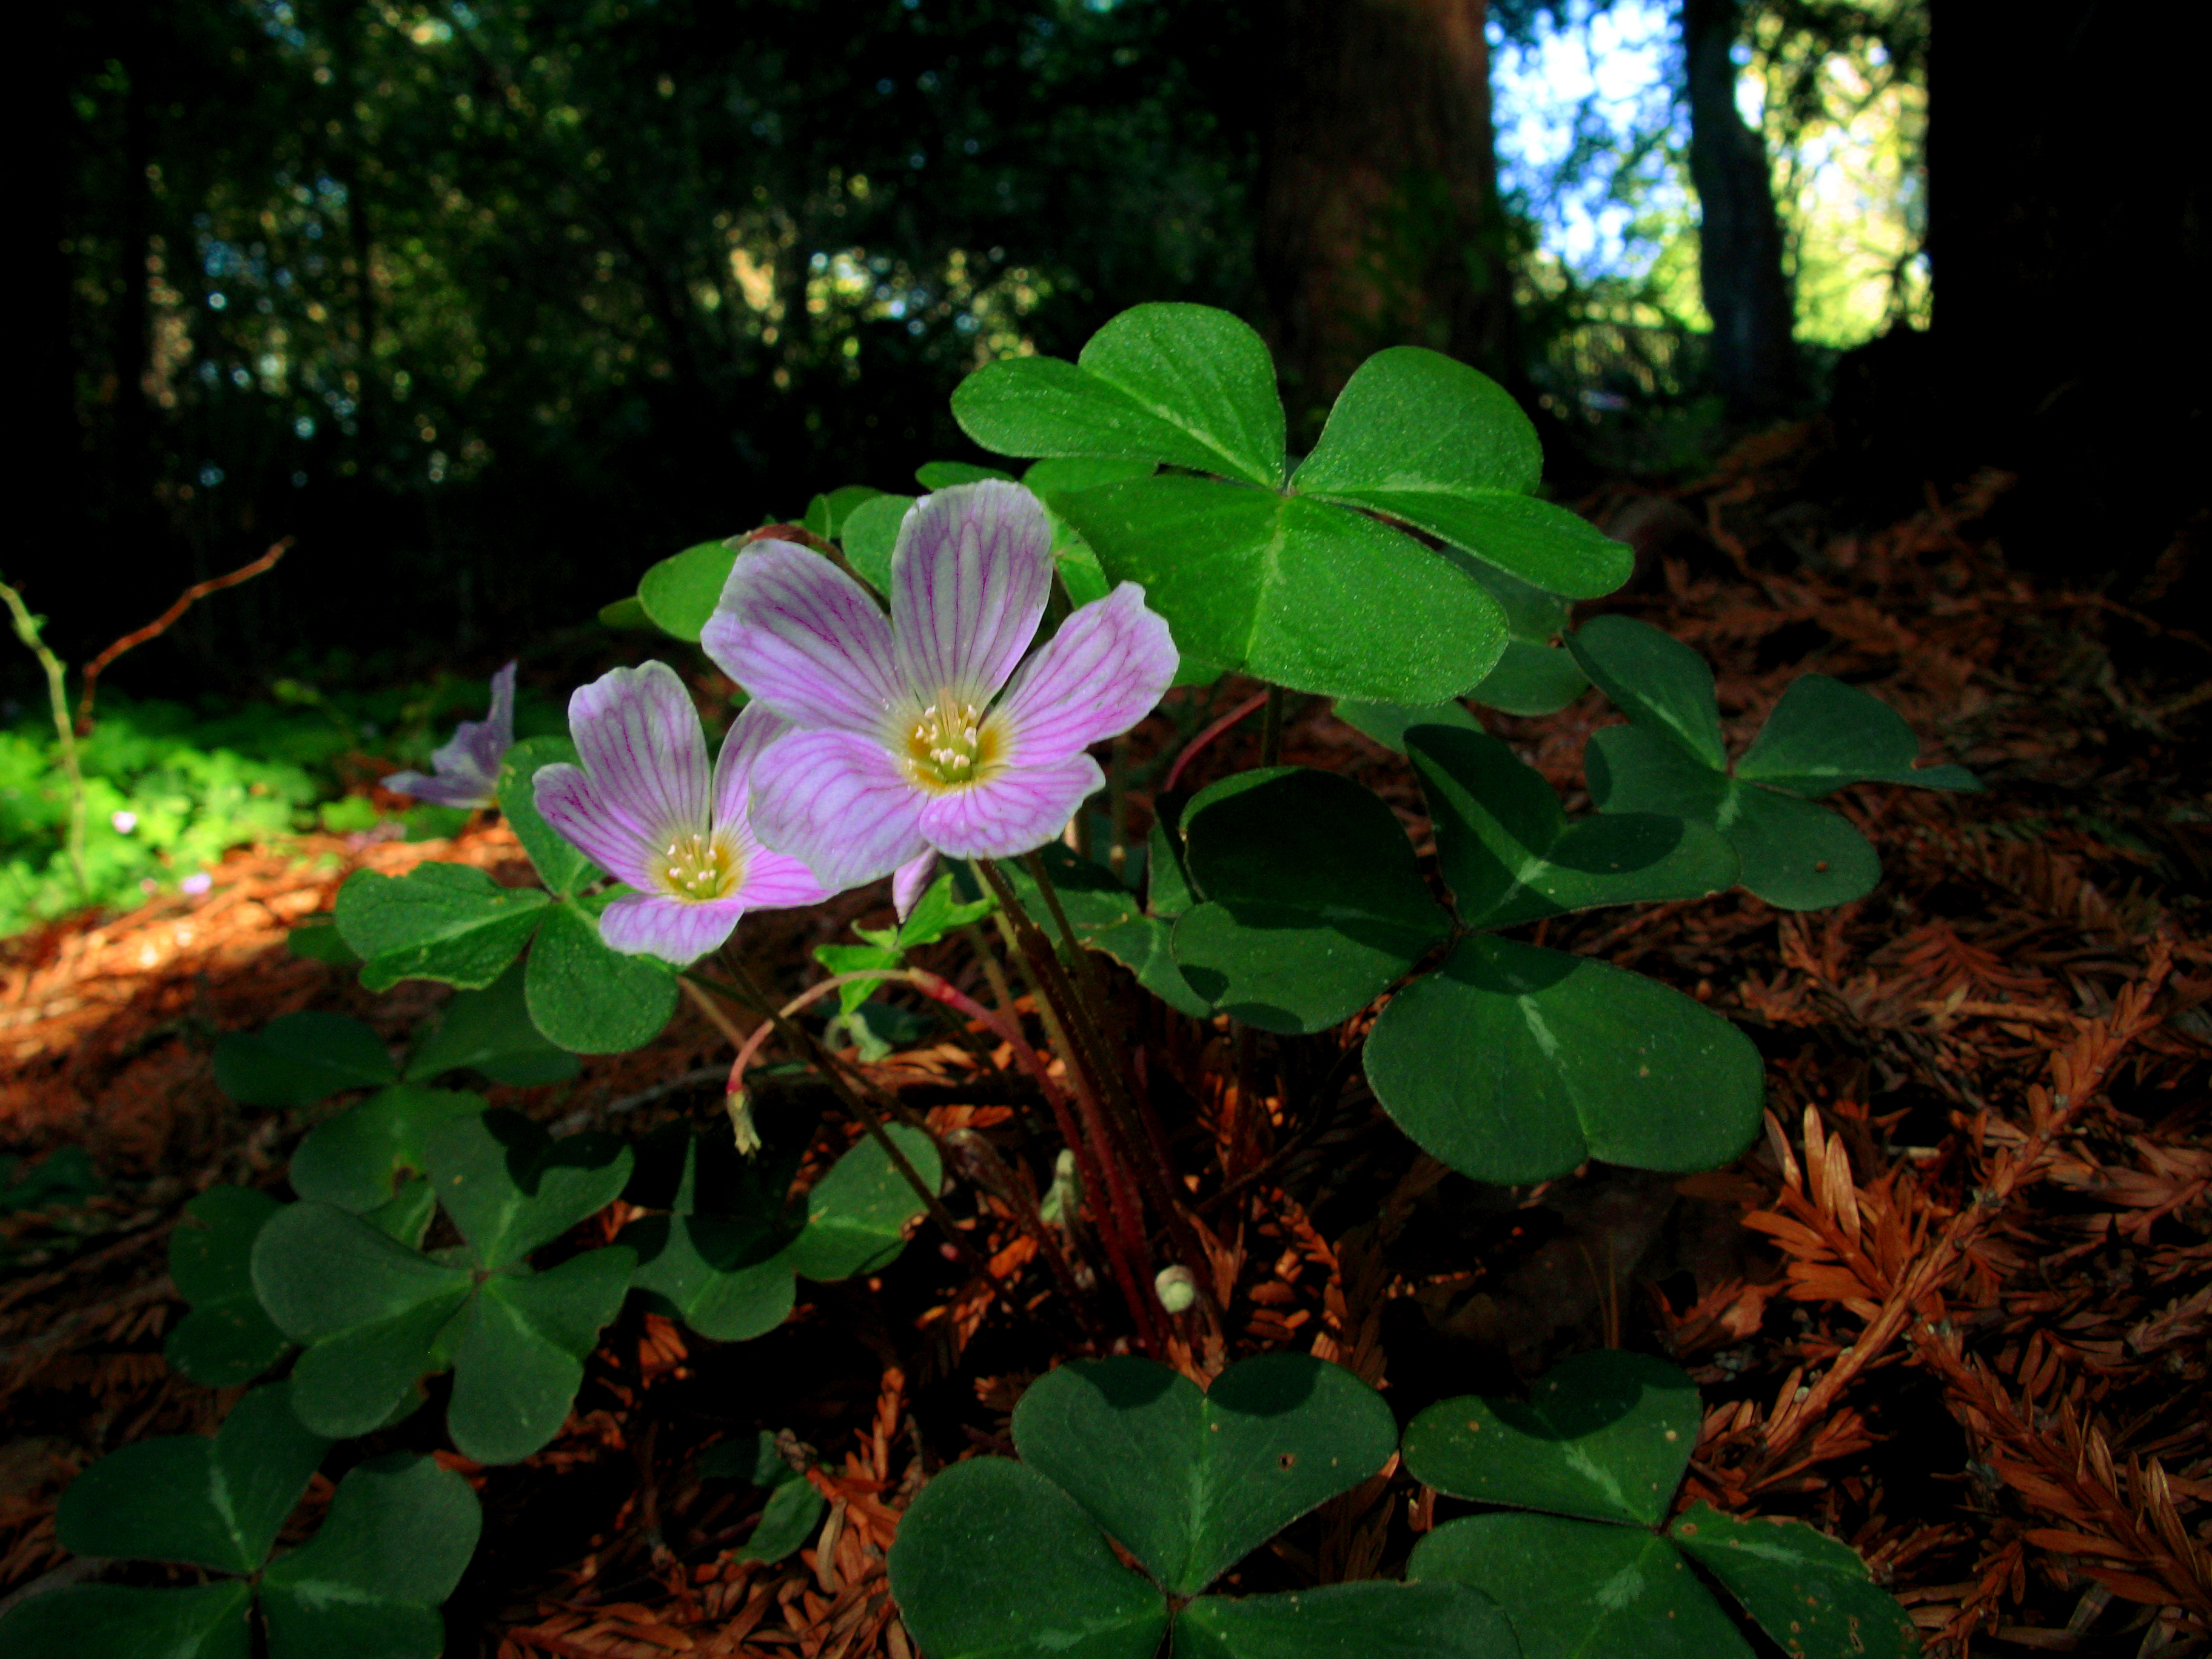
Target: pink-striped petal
910,881
970,578
582,814
806,640
638,736
1015,813
677,932
838,804
776,881
1105,670
753,730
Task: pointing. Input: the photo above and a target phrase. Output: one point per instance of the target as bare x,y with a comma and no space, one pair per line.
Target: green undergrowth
171,786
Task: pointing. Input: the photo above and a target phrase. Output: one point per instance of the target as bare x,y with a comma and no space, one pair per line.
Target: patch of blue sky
1589,131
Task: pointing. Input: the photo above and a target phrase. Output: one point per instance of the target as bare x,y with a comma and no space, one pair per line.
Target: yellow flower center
950,744
699,868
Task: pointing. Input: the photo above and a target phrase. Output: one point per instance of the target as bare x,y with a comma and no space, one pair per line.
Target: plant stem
26,630
1121,1210
1157,1175
1270,728
800,1041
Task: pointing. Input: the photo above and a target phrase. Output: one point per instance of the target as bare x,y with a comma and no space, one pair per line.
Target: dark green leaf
110,1621
1146,946
1655,680
1790,852
1315,904
1190,1483
1606,1434
357,1159
1578,1590
720,1276
857,1214
400,1528
1796,854
448,923
1509,855
795,1508
1183,384
318,939
297,1059
510,1186
225,1339
559,865
208,1503
1294,591
1807,1591
1515,1064
490,1031
947,475
1048,480
1532,680
627,615
519,1354
679,593
992,1561
857,959
1422,438
938,912
1167,890
590,999
870,534
1824,734
1369,1620
826,514
372,1310
1388,722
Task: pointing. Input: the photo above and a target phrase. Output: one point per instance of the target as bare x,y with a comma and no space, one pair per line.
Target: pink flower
644,807
465,771
919,734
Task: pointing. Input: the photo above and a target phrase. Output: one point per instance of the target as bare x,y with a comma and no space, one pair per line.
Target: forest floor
1952,1308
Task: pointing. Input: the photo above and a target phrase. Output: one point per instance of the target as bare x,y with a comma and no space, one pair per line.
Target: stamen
701,867
947,747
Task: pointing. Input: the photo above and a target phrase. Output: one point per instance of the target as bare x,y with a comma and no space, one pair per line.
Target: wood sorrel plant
1405,565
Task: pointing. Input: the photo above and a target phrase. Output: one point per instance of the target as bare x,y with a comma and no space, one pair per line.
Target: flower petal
639,739
1106,669
1015,813
838,804
804,639
777,881
677,932
580,812
440,791
970,578
753,730
910,881
467,764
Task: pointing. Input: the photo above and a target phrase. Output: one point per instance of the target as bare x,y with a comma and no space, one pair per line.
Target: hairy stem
26,630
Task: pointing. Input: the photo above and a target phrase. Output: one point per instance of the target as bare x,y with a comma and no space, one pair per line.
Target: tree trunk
1379,222
1754,357
2066,239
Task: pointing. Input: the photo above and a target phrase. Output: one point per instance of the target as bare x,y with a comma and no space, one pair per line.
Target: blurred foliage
517,297
171,786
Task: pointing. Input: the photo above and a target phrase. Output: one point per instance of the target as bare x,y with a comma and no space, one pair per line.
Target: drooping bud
739,1105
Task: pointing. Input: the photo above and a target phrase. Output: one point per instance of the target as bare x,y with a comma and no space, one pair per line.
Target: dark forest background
490,306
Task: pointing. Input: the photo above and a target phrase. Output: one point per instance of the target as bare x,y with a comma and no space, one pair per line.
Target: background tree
1379,220
1753,352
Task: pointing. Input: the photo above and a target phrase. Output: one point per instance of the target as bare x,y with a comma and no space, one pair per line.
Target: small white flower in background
124,822
198,882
